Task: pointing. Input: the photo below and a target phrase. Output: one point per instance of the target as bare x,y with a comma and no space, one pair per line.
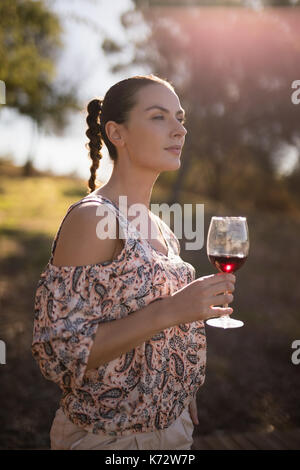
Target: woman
119,321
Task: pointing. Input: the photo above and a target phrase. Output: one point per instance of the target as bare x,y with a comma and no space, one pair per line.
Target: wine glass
227,250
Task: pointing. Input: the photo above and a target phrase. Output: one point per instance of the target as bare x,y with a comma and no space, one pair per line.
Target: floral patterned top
145,389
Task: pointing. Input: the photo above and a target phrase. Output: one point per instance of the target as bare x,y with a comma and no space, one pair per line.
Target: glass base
224,322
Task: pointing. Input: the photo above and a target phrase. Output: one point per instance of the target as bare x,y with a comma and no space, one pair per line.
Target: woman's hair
115,106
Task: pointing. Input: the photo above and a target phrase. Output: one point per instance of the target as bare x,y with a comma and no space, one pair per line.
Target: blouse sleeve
69,305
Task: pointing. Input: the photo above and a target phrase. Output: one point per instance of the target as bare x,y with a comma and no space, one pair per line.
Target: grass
251,383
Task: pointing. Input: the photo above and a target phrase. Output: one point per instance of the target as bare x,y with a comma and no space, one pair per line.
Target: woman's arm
193,302
120,336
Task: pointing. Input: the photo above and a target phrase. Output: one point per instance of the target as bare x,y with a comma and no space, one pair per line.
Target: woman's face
155,123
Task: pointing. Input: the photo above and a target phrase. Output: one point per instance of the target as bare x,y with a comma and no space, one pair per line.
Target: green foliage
30,42
35,204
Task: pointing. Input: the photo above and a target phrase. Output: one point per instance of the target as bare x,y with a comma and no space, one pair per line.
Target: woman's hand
197,300
193,411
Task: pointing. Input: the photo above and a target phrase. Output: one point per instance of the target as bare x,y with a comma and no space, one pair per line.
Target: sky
83,59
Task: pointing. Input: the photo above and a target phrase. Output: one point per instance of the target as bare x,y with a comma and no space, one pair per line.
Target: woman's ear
114,133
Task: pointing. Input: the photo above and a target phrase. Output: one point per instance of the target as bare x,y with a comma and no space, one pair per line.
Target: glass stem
225,317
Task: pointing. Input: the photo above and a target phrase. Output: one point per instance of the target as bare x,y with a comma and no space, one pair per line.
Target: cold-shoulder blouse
145,389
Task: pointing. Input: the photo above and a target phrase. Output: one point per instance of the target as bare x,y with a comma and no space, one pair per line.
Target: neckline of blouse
132,226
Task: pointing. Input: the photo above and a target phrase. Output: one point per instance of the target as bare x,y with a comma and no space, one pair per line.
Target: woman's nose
180,130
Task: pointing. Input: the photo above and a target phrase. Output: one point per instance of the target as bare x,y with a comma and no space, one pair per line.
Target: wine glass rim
219,217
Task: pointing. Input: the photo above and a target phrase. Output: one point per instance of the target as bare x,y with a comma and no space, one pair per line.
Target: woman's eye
182,120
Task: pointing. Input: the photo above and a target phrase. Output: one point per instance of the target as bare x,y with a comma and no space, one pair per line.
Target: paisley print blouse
145,389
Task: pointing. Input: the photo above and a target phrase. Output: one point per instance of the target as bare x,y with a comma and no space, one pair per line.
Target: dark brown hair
115,106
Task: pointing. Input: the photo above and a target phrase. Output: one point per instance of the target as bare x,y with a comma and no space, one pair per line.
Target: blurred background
235,66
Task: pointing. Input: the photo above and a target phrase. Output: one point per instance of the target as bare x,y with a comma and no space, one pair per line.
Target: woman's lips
174,150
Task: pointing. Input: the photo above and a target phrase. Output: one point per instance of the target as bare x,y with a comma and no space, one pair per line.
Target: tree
233,69
30,43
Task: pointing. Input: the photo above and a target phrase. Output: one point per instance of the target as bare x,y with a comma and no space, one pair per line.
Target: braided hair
115,106
95,141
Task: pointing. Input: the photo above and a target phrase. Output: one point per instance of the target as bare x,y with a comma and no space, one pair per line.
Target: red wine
227,264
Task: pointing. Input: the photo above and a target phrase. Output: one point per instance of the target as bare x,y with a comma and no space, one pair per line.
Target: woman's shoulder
79,242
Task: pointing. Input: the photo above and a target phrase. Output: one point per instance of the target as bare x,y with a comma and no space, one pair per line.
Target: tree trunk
28,167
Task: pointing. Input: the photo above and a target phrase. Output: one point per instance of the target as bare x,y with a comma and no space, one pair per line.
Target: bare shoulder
78,243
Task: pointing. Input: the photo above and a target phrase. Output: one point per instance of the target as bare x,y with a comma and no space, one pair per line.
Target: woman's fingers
219,312
220,288
222,299
218,278
195,301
